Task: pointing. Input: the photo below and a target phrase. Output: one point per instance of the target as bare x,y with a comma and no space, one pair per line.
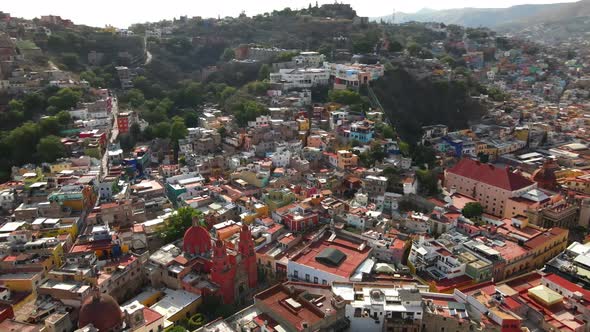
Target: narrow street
113,134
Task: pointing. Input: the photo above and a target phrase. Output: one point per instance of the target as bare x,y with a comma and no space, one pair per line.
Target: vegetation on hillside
414,103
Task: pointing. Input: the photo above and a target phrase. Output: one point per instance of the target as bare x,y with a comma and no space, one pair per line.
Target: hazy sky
122,13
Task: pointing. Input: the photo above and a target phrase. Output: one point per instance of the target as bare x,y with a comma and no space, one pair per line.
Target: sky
122,13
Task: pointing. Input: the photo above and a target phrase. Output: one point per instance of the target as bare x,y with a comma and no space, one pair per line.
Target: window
296,274
307,277
324,282
315,280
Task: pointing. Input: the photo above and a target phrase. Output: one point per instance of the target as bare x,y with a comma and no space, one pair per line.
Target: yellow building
547,245
522,133
21,282
58,167
177,305
250,177
303,124
65,226
258,210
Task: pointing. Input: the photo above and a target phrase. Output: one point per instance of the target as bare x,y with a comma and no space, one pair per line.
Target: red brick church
232,271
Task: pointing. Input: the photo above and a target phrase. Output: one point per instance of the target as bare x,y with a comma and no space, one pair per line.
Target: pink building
490,185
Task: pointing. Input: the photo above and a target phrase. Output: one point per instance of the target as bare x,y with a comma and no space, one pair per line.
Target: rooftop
323,253
489,174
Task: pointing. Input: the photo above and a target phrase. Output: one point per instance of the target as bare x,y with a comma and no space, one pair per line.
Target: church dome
545,176
103,312
197,240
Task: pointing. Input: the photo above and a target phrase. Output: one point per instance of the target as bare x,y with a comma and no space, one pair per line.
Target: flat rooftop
355,254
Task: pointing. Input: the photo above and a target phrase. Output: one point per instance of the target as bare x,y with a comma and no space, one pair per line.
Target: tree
191,119
175,328
228,54
395,46
21,142
71,60
387,131
65,99
191,94
257,88
226,93
196,321
472,210
213,307
413,49
423,156
285,56
247,110
327,50
264,72
64,118
404,148
378,152
222,132
16,105
346,97
135,131
49,125
50,148
178,131
134,97
428,181
174,228
126,141
162,130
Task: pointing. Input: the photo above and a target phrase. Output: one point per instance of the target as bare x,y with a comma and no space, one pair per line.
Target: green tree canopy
427,181
228,54
174,228
472,210
247,110
65,99
134,97
264,72
346,97
50,148
196,321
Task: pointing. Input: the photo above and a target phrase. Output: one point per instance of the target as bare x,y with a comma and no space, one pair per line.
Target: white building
281,158
309,59
410,185
7,199
174,302
79,114
300,78
261,121
370,307
432,257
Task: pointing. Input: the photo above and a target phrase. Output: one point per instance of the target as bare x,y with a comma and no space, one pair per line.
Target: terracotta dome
545,176
197,240
103,312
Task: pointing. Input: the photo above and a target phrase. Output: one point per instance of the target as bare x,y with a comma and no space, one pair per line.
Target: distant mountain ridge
497,17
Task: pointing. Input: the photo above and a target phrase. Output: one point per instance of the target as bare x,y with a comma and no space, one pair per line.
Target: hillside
497,17
413,103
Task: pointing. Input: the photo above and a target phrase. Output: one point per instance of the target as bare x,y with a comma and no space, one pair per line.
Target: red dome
197,240
103,312
545,176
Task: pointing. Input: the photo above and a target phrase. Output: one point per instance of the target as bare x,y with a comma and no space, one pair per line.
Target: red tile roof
570,286
150,316
354,256
490,174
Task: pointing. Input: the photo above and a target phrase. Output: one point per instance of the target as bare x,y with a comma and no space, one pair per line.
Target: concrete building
490,185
